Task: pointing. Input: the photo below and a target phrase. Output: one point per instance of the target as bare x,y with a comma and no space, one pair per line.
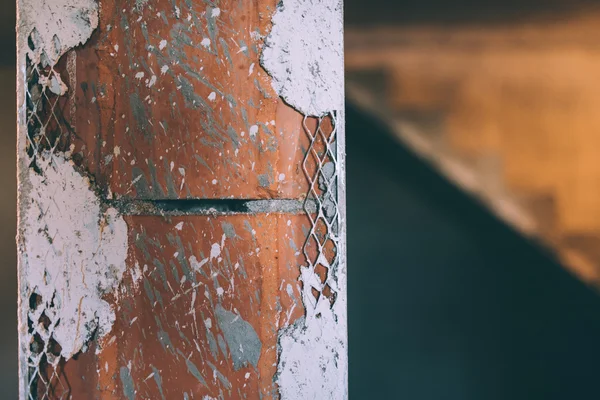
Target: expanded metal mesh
46,133
321,167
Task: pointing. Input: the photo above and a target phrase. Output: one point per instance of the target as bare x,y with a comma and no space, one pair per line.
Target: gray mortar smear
242,340
212,207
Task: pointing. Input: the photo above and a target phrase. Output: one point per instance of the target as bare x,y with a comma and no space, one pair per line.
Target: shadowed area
8,220
446,302
7,33
378,12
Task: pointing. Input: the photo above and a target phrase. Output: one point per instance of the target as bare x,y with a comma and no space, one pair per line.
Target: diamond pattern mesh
46,133
46,125
320,165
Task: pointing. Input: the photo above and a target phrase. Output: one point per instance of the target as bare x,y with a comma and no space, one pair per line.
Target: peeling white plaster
56,26
74,254
313,355
304,55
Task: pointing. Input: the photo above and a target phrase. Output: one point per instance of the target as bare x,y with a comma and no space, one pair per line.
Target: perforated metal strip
321,167
46,132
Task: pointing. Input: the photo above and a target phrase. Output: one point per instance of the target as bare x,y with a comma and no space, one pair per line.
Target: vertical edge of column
21,197
343,250
61,221
303,54
341,149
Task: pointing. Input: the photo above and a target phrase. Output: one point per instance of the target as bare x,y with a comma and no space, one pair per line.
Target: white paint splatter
152,81
197,265
205,42
253,130
304,55
74,253
215,12
162,44
212,96
136,275
215,251
179,226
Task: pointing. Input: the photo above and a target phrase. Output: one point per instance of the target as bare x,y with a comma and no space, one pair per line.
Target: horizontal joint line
180,207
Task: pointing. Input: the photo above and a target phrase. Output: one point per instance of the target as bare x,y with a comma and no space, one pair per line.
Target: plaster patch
74,255
304,55
56,26
313,357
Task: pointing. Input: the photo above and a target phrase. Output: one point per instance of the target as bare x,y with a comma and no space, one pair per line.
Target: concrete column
181,199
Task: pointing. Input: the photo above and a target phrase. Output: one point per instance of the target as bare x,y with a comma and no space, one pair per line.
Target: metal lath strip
321,167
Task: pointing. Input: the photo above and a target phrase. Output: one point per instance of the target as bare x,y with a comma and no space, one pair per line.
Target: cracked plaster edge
24,187
308,51
339,309
295,333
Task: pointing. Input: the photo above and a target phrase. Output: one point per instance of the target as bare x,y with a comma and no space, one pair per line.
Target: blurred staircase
510,113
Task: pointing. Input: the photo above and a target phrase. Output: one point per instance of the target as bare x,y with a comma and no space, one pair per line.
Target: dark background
445,301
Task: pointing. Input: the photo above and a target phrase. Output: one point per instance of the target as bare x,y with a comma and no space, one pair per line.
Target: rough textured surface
158,115
304,55
322,333
241,338
202,301
166,116
312,360
54,27
74,255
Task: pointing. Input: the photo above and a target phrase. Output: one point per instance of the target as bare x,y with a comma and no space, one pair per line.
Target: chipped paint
304,55
74,256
